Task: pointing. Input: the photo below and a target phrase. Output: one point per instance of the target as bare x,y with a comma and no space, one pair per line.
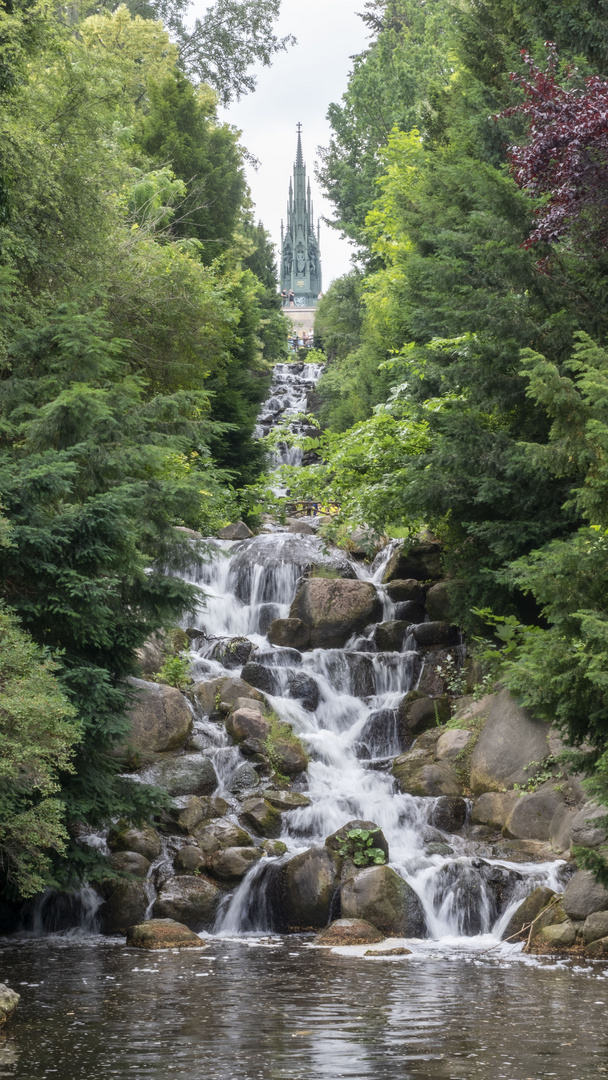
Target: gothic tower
300,253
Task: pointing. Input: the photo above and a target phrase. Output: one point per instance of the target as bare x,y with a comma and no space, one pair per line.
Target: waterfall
352,732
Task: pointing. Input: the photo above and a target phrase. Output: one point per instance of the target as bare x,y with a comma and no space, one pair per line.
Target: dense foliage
138,320
466,388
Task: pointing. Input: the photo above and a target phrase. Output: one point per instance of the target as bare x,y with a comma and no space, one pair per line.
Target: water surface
281,1010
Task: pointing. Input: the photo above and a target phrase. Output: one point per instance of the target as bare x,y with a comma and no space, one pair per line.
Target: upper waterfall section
300,244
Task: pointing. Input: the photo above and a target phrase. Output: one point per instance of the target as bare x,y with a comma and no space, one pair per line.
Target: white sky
300,85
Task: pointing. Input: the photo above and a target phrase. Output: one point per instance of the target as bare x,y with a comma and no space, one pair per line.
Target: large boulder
526,913
145,840
423,561
221,834
292,633
408,591
337,839
334,609
308,884
129,862
382,734
595,926
419,712
597,950
261,817
160,720
509,742
190,900
284,801
260,676
237,531
9,999
435,675
231,864
226,689
249,729
233,652
304,688
349,932
187,774
587,828
163,934
494,808
449,813
435,633
189,860
417,774
190,811
379,896
584,895
438,602
531,816
390,636
125,906
451,744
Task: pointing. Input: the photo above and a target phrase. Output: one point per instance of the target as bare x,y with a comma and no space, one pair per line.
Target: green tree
38,731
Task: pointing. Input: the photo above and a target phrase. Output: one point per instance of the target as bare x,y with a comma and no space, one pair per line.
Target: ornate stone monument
300,252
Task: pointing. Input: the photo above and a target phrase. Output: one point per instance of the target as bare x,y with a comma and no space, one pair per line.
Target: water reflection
283,1011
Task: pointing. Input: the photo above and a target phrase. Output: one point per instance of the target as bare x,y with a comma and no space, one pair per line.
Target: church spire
300,256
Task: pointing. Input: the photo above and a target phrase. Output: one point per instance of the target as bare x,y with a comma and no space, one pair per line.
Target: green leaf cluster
359,846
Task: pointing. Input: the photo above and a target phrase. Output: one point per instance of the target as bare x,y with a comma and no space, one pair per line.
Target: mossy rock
163,934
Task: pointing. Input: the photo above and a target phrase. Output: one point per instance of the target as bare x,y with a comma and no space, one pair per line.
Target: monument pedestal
302,318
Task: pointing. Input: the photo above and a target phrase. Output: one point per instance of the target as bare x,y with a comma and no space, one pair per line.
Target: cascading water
342,704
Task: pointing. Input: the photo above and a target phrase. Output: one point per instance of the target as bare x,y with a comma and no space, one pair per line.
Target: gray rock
301,528
452,743
144,841
437,602
233,652
584,895
588,827
189,860
221,834
284,801
163,934
419,712
308,883
210,692
430,778
260,676
9,999
190,811
237,531
188,774
493,808
531,816
189,900
389,636
130,862
342,932
511,739
290,632
231,864
249,729
334,609
434,677
559,936
449,813
267,613
410,612
404,591
261,817
244,779
384,732
597,950
526,913
379,896
595,926
560,828
421,562
305,689
159,718
125,906
435,633
335,841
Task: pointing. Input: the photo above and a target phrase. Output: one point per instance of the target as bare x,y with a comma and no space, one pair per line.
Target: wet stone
348,932
261,817
163,934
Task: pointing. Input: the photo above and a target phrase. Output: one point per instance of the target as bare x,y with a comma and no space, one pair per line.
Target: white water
346,779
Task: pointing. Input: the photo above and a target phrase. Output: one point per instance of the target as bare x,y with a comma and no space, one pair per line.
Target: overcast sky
300,85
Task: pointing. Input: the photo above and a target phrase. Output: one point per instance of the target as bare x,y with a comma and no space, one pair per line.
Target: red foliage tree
566,156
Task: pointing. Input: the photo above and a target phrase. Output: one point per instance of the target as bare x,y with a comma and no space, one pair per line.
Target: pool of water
277,1009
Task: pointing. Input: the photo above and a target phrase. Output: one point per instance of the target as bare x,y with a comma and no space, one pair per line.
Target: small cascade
343,704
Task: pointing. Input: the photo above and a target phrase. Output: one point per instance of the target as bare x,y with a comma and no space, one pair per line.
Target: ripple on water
276,1009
